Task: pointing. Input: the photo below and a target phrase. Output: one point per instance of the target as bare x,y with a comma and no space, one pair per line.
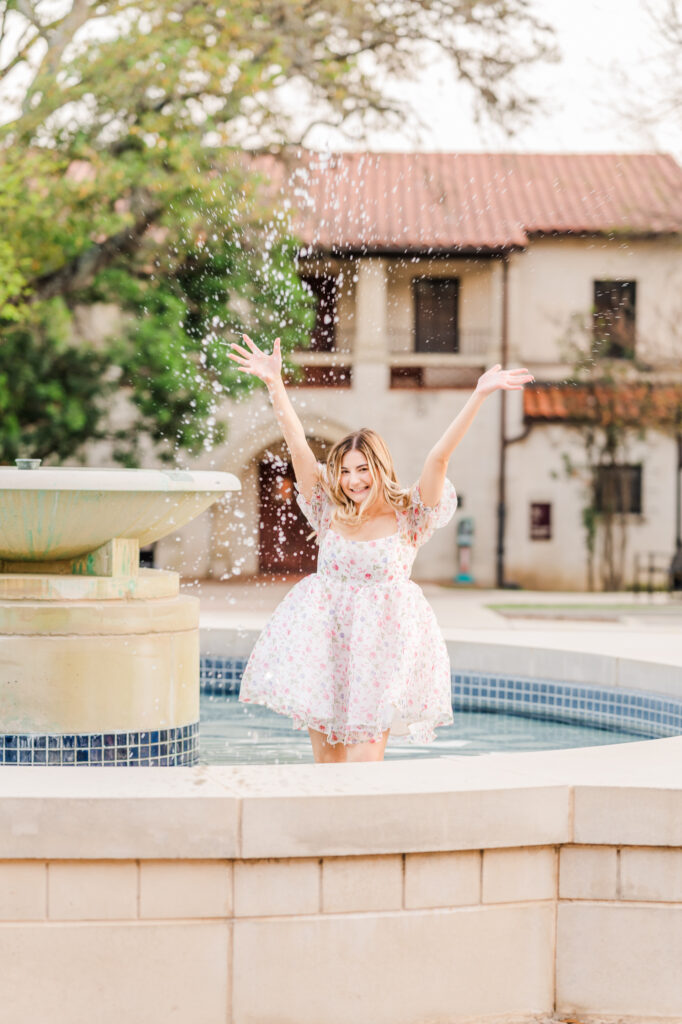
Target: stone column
98,670
371,372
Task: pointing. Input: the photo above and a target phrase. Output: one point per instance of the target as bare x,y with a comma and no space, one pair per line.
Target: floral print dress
355,649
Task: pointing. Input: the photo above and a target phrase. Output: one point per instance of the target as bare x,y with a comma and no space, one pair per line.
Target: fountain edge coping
84,478
628,794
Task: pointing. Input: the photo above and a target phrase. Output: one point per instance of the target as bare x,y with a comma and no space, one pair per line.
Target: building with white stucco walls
429,267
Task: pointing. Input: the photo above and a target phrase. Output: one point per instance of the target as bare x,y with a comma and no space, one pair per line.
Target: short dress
355,649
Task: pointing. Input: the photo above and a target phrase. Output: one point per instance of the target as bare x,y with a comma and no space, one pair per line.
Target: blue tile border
649,715
220,677
158,748
638,712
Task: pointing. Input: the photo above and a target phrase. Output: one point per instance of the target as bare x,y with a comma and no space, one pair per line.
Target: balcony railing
467,343
433,375
344,340
408,368
456,368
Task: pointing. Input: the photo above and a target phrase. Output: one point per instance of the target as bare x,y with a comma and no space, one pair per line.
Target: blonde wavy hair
381,471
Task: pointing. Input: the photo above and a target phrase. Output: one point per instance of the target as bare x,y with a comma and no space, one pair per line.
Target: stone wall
398,938
514,887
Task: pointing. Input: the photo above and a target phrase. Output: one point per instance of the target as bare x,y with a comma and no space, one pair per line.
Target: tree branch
82,270
58,37
27,9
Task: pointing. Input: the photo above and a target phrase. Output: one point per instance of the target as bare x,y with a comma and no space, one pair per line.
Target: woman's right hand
267,368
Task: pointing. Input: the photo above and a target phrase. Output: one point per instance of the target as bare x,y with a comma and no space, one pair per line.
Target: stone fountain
99,658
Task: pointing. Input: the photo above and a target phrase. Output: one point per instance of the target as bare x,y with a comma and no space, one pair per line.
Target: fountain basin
515,887
99,660
58,514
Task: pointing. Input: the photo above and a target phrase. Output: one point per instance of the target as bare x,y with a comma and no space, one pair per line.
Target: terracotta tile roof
398,202
635,404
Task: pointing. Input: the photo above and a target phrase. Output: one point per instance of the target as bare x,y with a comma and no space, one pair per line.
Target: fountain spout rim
50,478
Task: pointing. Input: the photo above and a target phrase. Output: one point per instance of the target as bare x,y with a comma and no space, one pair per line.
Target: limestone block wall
400,938
518,887
621,908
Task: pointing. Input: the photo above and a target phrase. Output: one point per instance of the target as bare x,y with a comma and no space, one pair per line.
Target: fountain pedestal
99,659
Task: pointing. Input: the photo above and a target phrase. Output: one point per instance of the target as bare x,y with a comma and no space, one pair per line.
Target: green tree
52,393
123,178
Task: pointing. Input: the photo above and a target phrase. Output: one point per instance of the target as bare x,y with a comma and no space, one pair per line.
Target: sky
610,58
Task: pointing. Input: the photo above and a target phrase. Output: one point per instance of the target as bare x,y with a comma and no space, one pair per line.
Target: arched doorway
285,544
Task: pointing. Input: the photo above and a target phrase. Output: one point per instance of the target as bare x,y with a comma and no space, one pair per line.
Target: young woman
354,651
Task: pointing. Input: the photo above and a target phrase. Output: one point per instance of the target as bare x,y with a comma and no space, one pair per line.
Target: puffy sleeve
421,521
318,510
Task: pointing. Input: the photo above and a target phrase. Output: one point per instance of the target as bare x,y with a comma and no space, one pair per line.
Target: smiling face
355,477
360,478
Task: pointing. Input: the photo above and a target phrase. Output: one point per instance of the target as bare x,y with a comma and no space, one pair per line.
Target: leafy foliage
122,178
172,356
52,394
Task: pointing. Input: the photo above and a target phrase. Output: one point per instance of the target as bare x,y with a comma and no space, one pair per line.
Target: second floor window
614,318
323,287
436,310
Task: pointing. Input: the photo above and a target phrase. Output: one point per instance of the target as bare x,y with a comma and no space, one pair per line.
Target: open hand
497,379
266,367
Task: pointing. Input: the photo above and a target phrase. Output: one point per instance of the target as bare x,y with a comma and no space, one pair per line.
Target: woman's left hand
497,379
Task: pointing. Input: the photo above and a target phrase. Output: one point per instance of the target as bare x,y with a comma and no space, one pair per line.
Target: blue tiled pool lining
162,747
645,714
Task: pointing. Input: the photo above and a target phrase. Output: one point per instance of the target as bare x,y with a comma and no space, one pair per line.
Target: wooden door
284,530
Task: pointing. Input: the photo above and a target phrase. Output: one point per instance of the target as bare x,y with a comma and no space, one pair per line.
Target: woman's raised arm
435,467
268,368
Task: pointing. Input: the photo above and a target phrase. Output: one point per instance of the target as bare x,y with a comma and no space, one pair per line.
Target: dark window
147,556
436,301
618,489
614,318
323,337
540,520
